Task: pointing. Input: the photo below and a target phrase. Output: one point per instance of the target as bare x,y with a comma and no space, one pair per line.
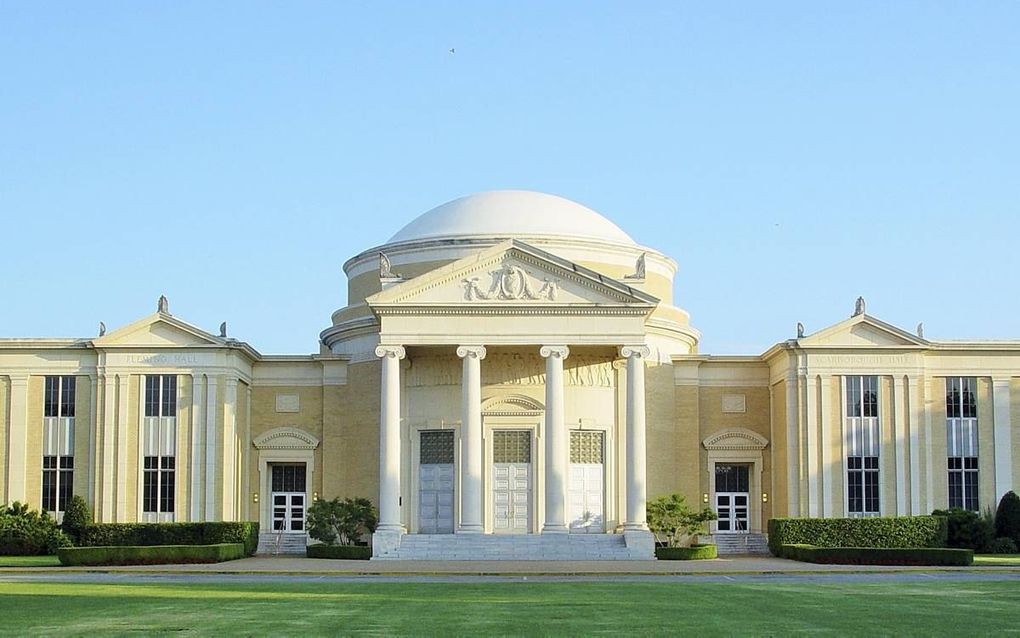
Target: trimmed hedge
150,554
148,534
345,552
877,555
694,552
891,532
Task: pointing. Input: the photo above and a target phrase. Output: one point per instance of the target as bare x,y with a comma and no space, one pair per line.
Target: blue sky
790,156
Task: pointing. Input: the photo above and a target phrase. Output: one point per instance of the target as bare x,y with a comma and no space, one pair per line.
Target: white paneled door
586,483
511,498
511,481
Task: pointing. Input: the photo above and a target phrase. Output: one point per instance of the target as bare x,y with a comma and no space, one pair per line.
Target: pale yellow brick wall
351,439
667,440
939,471
1014,421
82,418
887,453
779,496
134,464
835,443
314,403
5,421
33,451
689,465
986,446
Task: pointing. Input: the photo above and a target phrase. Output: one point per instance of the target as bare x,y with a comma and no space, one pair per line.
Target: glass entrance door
288,494
732,498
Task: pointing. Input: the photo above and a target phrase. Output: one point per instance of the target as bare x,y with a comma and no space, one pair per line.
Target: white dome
511,214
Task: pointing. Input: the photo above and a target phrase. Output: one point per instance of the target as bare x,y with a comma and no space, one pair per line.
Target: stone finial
163,305
223,330
800,330
859,307
639,268
920,330
102,329
385,268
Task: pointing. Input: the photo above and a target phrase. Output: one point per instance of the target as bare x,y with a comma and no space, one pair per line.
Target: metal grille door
435,482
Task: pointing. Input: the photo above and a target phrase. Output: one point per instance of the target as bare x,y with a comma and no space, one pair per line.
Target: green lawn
574,608
29,561
999,560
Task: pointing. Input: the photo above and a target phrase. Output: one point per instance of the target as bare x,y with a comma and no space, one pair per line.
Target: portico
525,490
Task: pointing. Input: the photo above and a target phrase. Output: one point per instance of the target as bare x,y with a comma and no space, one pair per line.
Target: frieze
842,360
506,368
166,359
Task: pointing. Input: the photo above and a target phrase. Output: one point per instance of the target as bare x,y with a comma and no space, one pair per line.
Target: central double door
511,481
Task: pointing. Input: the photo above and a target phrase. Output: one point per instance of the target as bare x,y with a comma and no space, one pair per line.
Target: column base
640,542
470,529
386,540
555,529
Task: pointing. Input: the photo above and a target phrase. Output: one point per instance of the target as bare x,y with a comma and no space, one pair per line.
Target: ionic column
389,440
636,476
471,436
556,443
1002,438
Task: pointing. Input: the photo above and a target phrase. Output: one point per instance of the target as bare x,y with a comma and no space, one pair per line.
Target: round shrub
1003,545
1007,517
77,517
967,530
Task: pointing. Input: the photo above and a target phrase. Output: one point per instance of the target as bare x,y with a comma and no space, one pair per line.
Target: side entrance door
435,482
511,481
732,498
586,483
288,494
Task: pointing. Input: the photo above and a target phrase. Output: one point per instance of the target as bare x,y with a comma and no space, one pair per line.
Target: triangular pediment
158,329
511,273
861,331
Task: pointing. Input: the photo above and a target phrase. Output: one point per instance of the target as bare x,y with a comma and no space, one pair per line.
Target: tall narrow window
862,445
160,434
58,443
962,442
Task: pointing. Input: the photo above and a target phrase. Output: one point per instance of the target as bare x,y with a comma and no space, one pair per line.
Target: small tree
341,521
671,519
1007,517
77,517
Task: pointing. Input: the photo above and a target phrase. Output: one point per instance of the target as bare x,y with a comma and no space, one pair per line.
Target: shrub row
150,554
891,532
346,552
148,534
877,555
694,552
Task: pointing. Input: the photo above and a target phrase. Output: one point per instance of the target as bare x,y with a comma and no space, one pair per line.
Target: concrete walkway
316,566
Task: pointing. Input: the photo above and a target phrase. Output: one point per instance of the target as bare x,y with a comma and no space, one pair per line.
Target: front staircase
282,544
741,544
514,547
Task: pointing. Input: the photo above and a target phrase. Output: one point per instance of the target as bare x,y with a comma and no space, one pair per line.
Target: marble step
522,547
737,544
271,544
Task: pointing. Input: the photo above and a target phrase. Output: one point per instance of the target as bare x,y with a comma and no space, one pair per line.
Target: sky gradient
790,156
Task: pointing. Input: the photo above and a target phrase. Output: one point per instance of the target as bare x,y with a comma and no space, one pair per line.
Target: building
511,377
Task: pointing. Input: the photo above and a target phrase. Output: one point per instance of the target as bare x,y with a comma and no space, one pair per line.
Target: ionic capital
392,352
560,352
640,352
475,352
